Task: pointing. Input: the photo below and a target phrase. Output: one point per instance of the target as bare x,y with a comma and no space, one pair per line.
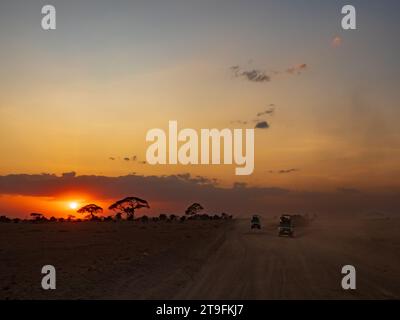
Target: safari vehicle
255,222
286,226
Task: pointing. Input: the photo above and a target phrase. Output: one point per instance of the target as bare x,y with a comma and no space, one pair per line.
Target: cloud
269,111
242,122
257,75
284,171
71,174
298,69
133,159
262,125
253,75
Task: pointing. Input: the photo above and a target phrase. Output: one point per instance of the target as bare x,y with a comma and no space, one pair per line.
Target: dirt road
261,265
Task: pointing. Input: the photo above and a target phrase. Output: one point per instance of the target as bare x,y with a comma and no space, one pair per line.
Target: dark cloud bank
176,192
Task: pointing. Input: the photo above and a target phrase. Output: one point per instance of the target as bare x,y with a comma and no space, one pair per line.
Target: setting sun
73,205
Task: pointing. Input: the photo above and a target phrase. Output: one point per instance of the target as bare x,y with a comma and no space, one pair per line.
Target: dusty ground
104,260
202,260
260,265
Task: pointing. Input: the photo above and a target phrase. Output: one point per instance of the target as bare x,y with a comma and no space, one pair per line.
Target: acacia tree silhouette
37,216
128,206
194,209
92,209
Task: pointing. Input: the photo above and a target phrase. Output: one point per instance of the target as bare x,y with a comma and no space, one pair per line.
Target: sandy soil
104,260
202,260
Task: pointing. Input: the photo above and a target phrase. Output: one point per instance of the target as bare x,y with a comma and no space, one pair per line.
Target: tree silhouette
128,206
92,209
118,216
4,219
193,209
37,216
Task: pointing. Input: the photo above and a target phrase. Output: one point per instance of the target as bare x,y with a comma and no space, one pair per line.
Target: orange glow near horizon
21,206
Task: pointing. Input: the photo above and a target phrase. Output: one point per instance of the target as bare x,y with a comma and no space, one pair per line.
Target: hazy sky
87,92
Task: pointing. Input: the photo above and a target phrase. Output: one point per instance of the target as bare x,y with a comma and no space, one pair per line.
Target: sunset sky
79,100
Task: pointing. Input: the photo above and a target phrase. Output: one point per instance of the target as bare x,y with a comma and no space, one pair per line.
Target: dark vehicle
286,226
255,222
